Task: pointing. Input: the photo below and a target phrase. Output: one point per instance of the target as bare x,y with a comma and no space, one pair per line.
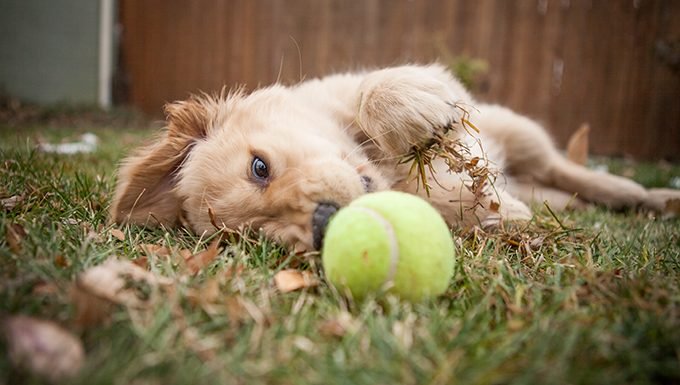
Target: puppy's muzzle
322,215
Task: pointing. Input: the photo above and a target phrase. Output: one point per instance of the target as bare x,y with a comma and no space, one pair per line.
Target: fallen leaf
186,254
332,328
339,326
88,143
494,206
304,344
45,288
71,221
142,262
206,294
233,271
150,249
672,208
235,309
537,243
515,324
93,236
15,235
577,147
290,280
664,201
10,203
43,348
118,234
197,262
403,331
122,282
115,282
90,309
60,261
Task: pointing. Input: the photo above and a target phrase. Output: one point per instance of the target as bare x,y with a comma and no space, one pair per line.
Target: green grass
596,301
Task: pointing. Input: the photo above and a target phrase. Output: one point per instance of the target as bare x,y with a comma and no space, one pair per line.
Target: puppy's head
263,160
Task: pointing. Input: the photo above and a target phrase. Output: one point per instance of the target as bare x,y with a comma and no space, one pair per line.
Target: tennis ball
389,241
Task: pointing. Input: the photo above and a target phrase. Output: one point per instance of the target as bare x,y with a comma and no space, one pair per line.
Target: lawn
587,297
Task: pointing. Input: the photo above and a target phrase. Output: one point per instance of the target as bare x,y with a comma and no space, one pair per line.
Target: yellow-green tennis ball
389,241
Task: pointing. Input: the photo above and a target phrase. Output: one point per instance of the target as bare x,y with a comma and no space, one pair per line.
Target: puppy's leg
599,187
537,194
665,201
402,107
530,153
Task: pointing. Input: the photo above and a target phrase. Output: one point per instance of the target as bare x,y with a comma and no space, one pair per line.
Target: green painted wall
49,50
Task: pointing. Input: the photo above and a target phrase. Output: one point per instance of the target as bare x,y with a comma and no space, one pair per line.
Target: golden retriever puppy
284,159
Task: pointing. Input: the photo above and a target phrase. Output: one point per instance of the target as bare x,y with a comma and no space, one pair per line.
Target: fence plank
562,62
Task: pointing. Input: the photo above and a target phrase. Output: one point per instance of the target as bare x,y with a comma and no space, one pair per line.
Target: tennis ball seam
392,239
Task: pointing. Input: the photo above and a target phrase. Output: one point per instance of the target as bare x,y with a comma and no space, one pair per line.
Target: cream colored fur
319,138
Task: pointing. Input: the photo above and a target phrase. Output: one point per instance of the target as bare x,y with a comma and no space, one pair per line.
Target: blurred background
614,64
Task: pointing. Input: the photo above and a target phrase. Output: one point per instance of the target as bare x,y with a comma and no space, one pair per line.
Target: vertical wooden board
561,62
502,55
637,79
659,133
574,82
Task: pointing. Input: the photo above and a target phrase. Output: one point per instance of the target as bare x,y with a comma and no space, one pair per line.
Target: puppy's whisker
370,139
386,157
299,52
278,76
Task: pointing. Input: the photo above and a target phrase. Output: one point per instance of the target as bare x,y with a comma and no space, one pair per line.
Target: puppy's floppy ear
146,180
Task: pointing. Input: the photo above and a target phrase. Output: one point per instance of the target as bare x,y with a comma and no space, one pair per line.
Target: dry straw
455,153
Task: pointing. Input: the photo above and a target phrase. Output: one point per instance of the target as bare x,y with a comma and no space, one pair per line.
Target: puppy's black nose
320,218
367,182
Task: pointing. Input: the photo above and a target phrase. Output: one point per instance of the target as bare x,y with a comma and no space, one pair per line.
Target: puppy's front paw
663,201
404,107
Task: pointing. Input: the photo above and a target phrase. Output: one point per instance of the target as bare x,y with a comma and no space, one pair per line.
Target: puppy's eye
259,169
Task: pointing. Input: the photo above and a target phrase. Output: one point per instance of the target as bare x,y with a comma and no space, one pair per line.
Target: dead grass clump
454,151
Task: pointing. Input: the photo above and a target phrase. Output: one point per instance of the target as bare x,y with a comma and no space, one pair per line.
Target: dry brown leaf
290,280
43,348
664,201
93,236
45,288
122,282
197,262
90,309
71,221
15,235
403,331
332,328
304,344
672,208
142,262
60,261
206,294
235,309
10,203
515,324
118,234
342,324
494,206
150,249
186,254
233,271
115,282
577,147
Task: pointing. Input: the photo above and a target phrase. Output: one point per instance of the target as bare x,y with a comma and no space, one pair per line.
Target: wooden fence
613,63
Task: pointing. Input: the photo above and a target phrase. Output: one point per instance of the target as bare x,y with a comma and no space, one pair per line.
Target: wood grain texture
562,62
